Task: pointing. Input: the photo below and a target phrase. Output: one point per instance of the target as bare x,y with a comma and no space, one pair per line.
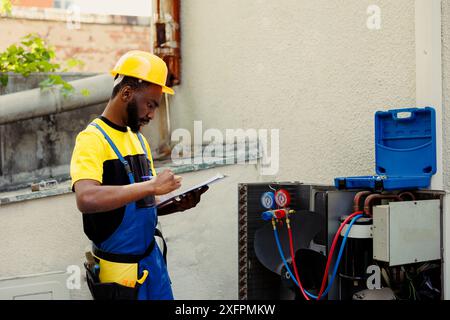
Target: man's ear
126,94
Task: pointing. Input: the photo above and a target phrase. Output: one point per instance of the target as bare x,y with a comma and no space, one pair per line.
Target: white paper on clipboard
168,198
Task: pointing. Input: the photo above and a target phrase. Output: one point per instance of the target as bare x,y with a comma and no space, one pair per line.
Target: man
116,184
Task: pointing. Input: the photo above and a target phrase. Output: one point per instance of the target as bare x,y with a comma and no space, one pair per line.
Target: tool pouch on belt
109,290
115,276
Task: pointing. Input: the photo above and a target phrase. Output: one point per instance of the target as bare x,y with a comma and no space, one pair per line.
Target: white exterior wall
43,235
446,88
446,133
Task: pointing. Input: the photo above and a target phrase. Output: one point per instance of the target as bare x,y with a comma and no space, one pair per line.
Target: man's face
142,107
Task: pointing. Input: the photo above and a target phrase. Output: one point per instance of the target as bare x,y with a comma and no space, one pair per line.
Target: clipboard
165,199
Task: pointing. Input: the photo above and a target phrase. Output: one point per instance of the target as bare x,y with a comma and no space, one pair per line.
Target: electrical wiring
386,277
411,283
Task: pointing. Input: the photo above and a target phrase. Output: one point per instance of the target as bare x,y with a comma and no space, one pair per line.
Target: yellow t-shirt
94,159
92,150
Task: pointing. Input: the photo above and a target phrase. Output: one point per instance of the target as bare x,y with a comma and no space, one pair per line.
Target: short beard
133,117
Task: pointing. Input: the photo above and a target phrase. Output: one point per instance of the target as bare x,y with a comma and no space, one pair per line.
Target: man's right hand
165,182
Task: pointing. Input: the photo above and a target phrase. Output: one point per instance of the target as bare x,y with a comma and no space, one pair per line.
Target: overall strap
120,257
160,235
113,146
141,140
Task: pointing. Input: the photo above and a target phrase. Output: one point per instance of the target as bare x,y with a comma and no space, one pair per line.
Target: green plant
33,54
5,7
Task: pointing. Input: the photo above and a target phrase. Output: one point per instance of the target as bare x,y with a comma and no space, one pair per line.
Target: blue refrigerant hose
341,250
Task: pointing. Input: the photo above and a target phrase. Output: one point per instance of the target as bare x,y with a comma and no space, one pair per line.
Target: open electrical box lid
405,151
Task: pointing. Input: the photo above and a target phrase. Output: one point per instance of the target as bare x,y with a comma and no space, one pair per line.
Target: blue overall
135,234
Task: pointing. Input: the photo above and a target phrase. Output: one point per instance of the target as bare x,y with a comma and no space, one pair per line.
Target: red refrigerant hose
330,255
291,248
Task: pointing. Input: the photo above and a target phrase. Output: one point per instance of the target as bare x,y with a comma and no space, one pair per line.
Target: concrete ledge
64,187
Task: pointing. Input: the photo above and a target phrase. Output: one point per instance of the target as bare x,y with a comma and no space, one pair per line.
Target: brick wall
33,3
99,41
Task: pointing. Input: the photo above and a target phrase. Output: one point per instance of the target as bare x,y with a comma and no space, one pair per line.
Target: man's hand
165,182
187,201
93,197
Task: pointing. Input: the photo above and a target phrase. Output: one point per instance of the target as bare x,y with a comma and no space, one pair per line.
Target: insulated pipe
34,103
357,199
368,203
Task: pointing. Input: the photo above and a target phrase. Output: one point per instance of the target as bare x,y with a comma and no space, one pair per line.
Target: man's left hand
186,201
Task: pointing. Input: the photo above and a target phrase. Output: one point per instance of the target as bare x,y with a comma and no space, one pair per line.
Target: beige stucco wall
309,67
43,235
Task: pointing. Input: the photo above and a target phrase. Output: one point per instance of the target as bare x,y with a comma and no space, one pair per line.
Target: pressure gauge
282,198
268,200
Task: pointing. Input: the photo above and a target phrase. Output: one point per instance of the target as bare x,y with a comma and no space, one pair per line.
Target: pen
146,178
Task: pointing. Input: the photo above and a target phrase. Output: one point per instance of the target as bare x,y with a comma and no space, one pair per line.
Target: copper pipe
166,44
357,199
410,194
368,203
158,7
167,37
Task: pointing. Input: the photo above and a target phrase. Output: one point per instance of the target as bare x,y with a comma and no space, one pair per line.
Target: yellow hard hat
143,65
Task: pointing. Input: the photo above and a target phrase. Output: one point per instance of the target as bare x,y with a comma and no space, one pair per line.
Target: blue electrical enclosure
405,151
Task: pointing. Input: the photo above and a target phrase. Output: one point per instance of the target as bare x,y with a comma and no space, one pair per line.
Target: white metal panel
414,231
46,286
381,233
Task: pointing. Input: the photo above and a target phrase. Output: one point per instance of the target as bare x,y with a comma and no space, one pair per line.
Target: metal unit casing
407,232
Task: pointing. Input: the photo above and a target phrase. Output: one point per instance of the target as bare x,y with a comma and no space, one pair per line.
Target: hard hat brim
168,90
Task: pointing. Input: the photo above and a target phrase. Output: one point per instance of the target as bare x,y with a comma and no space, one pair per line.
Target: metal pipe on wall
35,103
166,45
429,92
167,37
